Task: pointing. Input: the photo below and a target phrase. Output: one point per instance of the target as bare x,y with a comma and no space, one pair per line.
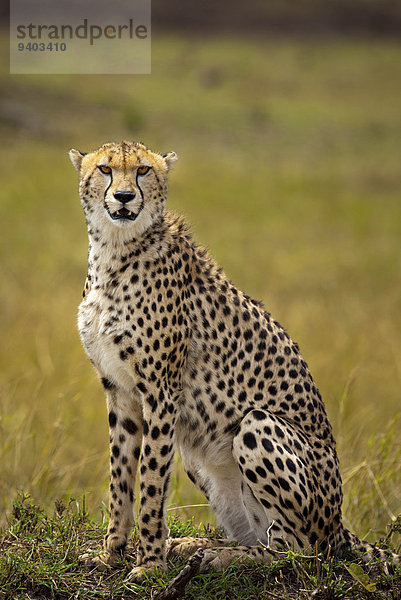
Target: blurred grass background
289,172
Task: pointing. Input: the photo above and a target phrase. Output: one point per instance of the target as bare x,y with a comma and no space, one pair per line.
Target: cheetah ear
76,158
170,159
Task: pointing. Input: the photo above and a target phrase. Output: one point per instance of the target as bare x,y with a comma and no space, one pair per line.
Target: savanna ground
289,172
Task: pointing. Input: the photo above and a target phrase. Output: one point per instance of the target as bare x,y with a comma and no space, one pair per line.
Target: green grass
289,173
40,559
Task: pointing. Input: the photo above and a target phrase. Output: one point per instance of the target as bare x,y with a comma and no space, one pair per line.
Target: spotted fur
190,363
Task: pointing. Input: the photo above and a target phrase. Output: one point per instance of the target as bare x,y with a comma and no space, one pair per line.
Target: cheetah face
122,186
124,192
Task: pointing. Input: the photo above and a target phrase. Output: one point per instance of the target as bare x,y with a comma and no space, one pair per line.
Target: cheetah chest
99,328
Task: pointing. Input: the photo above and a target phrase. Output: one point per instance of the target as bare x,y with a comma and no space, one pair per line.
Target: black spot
290,465
251,475
267,445
259,415
147,449
268,488
284,484
155,432
141,387
129,426
112,419
265,503
269,466
260,471
107,384
165,429
165,450
250,440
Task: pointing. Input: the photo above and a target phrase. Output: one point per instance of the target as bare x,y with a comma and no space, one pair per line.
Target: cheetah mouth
124,214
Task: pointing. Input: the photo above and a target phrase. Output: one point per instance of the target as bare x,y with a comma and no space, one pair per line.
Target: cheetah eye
143,170
104,169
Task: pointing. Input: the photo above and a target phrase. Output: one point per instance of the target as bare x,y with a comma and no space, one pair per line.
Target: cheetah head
123,187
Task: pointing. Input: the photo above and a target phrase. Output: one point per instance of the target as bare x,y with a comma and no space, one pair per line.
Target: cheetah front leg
125,428
156,459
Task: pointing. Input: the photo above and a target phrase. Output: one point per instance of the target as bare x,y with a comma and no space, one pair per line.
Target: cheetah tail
368,551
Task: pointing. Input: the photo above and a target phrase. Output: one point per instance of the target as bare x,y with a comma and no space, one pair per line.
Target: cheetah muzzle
191,364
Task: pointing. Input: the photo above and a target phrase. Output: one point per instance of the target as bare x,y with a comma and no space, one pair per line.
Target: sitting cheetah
190,363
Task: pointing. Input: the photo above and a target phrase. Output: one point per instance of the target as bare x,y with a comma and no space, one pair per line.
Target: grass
39,559
289,173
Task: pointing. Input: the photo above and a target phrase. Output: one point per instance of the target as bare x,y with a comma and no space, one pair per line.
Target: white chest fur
99,325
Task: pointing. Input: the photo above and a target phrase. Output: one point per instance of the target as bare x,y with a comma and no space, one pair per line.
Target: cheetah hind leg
282,484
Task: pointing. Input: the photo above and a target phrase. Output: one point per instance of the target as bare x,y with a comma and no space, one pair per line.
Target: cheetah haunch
190,363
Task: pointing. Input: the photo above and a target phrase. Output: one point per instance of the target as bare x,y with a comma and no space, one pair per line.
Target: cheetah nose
124,196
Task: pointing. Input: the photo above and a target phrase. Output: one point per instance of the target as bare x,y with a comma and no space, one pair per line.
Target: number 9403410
42,47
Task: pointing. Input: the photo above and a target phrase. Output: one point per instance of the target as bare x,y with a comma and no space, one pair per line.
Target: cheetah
189,363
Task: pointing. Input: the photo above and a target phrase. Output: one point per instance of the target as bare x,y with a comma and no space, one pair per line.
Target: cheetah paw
186,546
217,560
183,547
139,574
101,560
211,561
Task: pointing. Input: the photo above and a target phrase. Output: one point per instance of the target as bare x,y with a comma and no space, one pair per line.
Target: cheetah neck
108,254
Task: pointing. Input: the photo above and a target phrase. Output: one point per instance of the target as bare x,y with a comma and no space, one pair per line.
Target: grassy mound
39,560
